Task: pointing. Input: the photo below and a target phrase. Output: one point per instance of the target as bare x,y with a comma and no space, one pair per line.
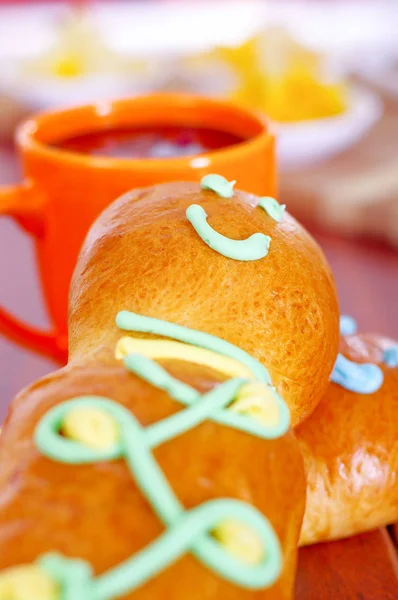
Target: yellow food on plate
79,50
278,76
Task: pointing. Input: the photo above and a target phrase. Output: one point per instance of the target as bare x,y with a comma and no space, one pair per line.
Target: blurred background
325,72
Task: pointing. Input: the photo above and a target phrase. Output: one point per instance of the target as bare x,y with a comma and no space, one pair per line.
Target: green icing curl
186,531
129,321
253,248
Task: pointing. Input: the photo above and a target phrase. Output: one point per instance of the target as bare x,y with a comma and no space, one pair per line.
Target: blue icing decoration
359,378
348,325
390,356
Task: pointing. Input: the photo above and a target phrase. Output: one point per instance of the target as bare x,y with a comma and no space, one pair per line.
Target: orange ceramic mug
64,192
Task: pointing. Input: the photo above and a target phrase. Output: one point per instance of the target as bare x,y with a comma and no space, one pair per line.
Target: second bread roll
350,451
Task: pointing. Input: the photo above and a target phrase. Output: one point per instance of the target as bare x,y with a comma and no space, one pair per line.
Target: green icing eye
219,185
273,208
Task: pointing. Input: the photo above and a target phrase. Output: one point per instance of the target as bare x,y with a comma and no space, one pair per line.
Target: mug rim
30,128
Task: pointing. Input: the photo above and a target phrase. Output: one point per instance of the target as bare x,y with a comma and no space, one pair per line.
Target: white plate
381,72
139,29
183,27
44,93
308,142
143,27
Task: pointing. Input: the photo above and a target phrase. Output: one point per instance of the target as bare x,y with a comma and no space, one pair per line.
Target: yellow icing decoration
27,582
240,540
165,349
256,400
91,427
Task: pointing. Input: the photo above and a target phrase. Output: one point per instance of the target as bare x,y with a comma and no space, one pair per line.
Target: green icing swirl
272,207
218,184
129,321
185,530
253,248
153,373
157,376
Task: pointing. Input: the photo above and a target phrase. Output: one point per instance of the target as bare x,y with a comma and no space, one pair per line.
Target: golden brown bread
350,450
143,255
96,512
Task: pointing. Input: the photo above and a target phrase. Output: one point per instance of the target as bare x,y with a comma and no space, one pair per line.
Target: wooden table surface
362,568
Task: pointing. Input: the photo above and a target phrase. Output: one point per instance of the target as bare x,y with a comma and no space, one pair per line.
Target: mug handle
21,202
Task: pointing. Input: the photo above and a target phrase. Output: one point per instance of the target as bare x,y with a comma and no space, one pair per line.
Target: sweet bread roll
198,506
349,444
159,462
275,298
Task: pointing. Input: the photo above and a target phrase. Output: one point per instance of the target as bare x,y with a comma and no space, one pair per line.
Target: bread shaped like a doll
160,462
219,261
350,443
111,488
